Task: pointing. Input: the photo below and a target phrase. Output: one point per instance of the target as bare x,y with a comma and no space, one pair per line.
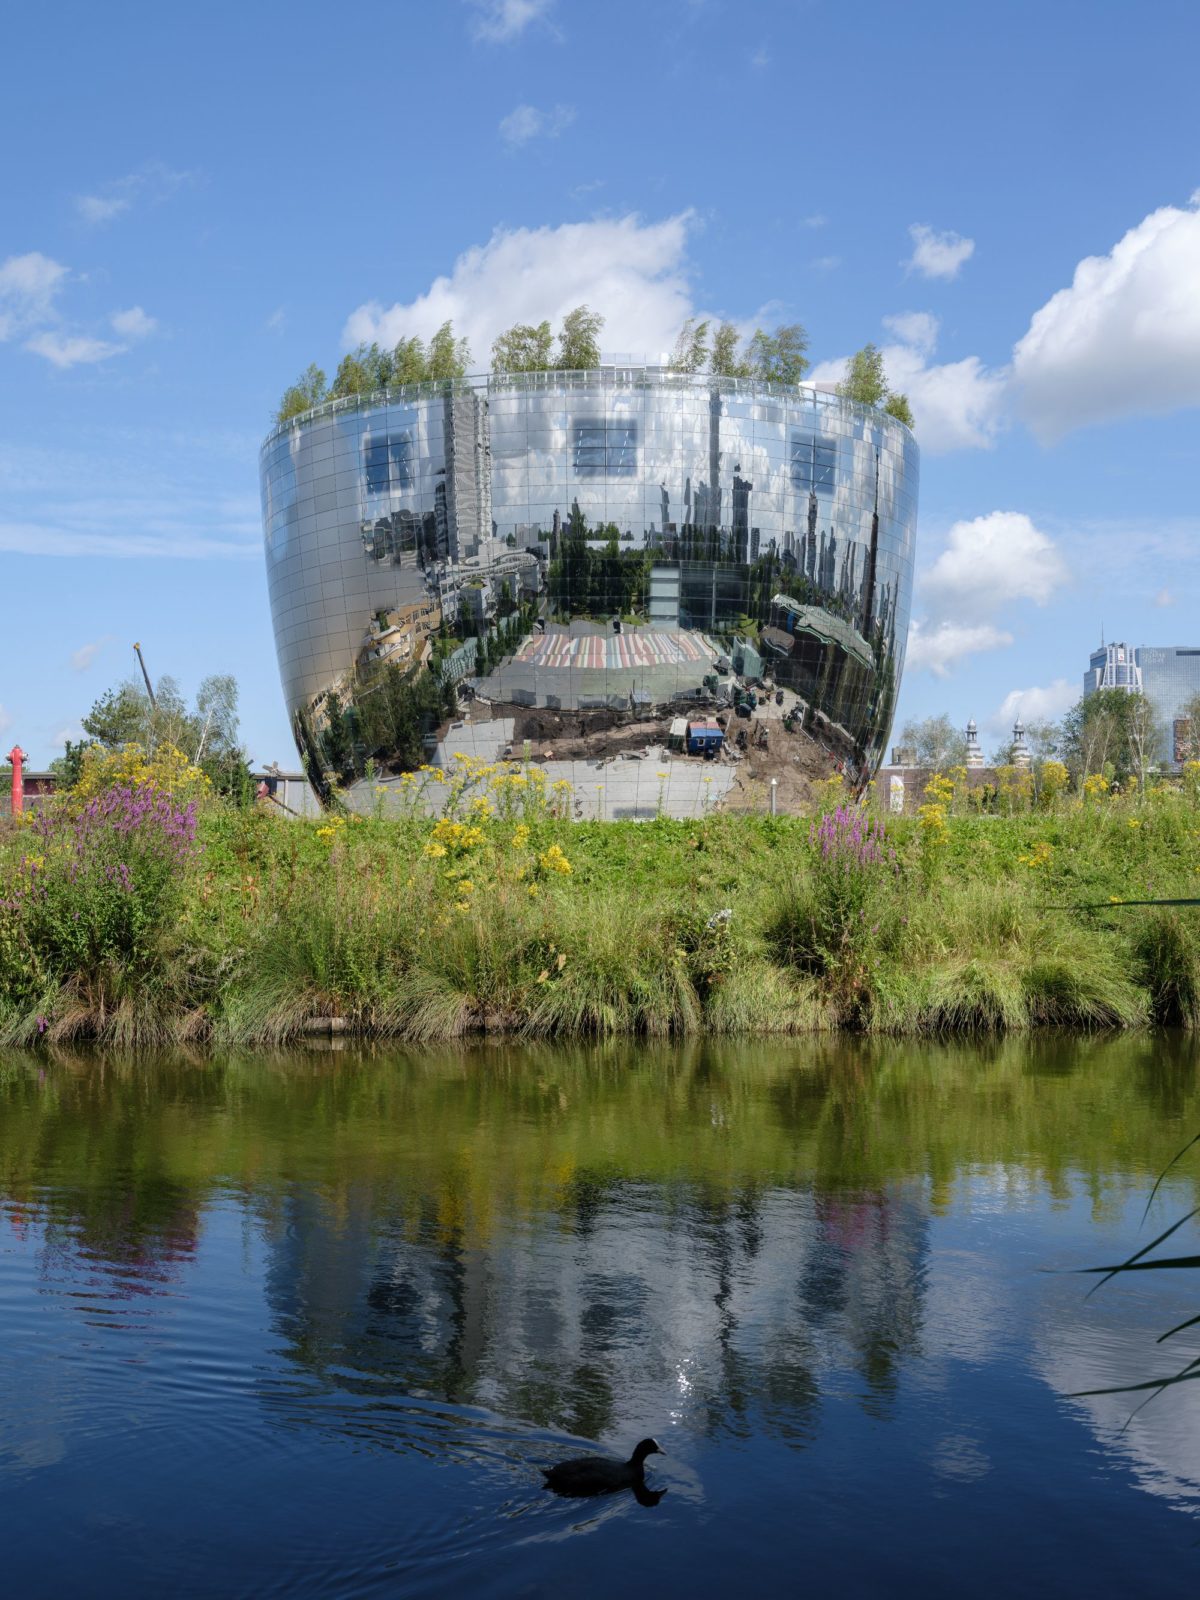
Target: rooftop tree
866,383
579,340
306,392
523,348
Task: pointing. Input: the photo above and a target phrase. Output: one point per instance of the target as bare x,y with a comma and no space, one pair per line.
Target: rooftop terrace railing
616,374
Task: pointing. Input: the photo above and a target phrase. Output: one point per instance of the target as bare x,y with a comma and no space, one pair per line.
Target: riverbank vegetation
140,908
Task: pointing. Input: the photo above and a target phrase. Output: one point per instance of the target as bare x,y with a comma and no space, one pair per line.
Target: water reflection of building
749,491
630,1300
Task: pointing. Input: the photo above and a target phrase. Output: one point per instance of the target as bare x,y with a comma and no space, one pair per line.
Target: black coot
600,1475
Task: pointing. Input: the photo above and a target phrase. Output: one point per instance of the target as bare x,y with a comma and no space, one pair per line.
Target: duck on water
601,1475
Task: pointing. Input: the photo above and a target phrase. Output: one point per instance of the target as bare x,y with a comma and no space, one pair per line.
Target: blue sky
199,202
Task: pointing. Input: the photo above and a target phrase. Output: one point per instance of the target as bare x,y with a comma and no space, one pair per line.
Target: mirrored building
629,537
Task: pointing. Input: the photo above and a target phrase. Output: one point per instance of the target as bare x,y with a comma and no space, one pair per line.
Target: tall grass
506,918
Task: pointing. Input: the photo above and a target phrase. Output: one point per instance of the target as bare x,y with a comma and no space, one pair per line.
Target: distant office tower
1169,677
1112,666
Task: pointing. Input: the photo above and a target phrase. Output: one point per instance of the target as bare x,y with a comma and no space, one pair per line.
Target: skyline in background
220,200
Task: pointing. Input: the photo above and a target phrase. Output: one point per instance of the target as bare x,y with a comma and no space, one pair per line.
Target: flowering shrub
168,771
830,928
101,882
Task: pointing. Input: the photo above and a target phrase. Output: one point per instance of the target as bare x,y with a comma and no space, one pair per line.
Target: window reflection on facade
768,524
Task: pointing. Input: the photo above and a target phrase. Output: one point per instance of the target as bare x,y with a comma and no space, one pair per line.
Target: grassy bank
133,915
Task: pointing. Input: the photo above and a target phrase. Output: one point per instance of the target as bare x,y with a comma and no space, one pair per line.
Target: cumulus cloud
957,405
1124,338
938,255
527,122
633,272
65,350
916,328
28,285
134,323
499,21
73,732
991,561
943,645
82,658
1035,705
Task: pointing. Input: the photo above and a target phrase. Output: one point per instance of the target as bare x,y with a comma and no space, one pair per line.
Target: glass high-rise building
1170,678
586,541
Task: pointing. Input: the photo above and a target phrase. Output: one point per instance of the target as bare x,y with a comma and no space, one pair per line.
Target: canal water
310,1324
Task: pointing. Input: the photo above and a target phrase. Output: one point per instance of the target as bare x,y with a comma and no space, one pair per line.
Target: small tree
579,340
935,742
1141,734
308,391
866,383
726,362
448,356
410,363
779,357
691,347
523,348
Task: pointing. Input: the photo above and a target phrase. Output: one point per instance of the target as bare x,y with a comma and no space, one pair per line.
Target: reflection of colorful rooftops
789,617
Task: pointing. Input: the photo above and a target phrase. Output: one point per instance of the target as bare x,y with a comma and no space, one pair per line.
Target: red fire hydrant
17,756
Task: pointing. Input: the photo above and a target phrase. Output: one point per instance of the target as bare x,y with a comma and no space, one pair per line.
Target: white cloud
527,122
815,221
277,320
916,328
1124,338
1164,597
498,21
134,323
635,274
51,539
1035,705
938,255
825,263
939,648
957,405
98,208
153,183
760,58
73,731
82,658
28,285
991,561
71,350
136,494
6,719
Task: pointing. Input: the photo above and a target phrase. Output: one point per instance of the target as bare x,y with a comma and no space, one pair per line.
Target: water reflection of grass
478,1133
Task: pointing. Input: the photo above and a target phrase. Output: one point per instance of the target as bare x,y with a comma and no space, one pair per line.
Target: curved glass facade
586,540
